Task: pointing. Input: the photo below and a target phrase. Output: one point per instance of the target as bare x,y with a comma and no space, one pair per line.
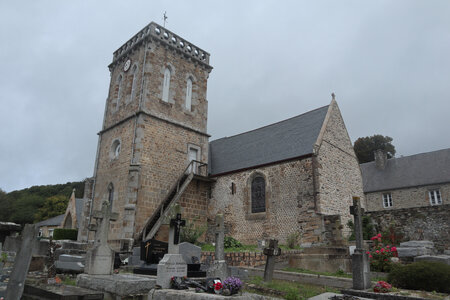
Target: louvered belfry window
258,195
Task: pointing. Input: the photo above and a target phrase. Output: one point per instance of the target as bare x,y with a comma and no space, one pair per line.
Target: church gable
335,156
282,141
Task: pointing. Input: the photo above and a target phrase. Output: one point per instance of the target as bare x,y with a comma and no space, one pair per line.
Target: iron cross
165,19
177,224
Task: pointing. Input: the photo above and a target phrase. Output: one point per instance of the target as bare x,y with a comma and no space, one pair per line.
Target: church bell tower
155,123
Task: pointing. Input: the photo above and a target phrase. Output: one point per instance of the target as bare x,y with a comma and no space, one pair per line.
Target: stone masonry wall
247,259
154,137
418,223
407,197
338,173
289,203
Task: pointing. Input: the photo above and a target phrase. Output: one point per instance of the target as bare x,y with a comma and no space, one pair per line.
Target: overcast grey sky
387,61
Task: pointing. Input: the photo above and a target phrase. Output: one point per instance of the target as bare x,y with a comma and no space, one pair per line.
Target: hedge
424,275
65,234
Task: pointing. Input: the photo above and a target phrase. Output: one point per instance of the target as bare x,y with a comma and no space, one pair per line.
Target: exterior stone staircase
155,221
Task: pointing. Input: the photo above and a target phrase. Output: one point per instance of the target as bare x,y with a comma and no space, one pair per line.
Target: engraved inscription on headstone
152,251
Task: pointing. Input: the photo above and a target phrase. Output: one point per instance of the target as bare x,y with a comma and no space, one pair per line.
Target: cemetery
273,203
175,270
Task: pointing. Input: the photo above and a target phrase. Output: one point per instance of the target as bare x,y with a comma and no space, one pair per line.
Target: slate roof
79,203
280,141
409,171
55,221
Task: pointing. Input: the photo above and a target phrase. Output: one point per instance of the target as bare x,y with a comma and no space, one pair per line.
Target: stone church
294,176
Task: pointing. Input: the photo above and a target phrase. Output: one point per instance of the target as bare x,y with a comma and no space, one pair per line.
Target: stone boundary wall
418,223
246,259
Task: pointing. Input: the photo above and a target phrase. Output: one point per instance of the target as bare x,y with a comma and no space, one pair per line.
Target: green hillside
37,203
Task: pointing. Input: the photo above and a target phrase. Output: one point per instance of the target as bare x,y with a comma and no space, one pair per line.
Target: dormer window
166,85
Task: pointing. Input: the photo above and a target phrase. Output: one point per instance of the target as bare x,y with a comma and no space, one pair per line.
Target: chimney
380,159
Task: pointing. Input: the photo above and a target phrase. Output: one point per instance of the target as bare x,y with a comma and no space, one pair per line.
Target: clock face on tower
127,65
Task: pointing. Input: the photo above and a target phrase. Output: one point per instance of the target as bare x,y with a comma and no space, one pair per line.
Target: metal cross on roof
165,19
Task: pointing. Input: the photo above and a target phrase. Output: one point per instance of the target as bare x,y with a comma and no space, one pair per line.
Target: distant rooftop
409,171
288,139
55,221
169,38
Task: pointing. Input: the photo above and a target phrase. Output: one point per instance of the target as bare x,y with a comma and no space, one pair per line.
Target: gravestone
70,263
219,268
360,260
100,259
172,264
152,251
271,252
21,264
191,255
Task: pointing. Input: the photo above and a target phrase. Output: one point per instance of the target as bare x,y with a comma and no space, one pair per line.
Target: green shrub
231,242
367,228
191,232
293,240
428,276
65,234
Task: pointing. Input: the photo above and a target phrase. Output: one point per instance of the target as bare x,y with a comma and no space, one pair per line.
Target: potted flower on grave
233,284
218,286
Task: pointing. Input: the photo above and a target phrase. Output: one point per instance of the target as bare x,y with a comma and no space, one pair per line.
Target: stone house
153,151
411,181
47,227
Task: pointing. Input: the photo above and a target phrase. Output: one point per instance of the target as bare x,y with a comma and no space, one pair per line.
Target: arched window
188,101
133,82
110,195
258,194
119,90
166,85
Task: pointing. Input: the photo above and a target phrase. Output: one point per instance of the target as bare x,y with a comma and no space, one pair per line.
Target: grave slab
425,244
117,284
434,258
60,292
192,295
412,251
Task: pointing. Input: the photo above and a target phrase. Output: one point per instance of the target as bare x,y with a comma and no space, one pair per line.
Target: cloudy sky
387,61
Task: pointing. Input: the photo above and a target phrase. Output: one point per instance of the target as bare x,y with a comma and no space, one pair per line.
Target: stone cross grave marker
271,252
219,267
360,260
174,233
172,264
100,259
21,263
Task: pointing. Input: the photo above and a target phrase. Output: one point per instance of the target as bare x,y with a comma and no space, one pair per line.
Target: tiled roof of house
409,171
55,221
291,138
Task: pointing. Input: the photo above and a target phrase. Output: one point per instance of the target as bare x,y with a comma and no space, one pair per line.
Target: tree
53,206
366,146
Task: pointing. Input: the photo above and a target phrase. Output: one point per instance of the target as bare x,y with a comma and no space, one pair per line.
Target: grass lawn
339,273
285,289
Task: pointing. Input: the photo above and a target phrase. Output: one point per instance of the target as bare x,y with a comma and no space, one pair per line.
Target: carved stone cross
271,252
101,228
357,211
